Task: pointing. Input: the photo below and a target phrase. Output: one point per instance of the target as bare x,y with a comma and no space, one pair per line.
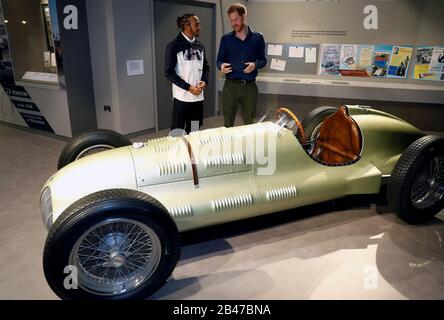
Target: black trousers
186,112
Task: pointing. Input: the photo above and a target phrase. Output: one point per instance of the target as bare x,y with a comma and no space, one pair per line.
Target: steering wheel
296,120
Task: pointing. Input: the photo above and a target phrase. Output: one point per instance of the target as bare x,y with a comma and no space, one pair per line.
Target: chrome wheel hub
116,260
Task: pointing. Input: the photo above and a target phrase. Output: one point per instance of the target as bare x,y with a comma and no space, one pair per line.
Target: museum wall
120,31
103,63
77,69
400,21
134,92
408,22
123,30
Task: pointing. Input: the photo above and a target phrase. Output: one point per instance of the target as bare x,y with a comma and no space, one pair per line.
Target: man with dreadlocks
187,68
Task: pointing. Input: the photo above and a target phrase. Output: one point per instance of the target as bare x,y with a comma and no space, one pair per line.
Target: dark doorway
165,30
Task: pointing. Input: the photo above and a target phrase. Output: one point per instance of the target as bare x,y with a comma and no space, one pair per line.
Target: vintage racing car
114,210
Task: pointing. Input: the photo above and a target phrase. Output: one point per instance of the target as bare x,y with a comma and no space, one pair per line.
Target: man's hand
225,68
202,85
195,90
251,66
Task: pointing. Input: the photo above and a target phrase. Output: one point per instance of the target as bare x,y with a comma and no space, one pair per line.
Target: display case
31,40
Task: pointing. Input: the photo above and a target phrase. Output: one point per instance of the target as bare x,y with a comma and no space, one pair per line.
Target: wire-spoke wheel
312,123
115,256
416,187
122,244
428,187
313,120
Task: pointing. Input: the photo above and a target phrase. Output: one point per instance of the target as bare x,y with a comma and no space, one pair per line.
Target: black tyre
416,188
112,244
311,122
91,142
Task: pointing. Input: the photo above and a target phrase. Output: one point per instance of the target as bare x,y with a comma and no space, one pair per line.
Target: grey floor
354,248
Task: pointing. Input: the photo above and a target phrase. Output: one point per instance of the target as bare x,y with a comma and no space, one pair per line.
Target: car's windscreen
280,119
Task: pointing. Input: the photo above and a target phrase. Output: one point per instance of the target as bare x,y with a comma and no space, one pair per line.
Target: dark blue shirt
237,52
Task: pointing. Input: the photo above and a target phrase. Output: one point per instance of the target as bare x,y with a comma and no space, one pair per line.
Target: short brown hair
239,8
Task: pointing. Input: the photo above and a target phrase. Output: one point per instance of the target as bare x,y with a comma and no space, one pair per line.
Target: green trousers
236,93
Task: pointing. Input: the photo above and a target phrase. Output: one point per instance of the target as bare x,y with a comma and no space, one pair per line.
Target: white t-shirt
189,67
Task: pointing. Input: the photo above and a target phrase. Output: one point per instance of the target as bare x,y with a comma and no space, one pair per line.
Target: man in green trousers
241,54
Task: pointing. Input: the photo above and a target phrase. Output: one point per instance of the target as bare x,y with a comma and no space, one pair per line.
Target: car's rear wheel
313,121
416,188
113,244
89,143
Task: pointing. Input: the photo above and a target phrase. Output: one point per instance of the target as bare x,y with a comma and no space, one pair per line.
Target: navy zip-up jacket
237,52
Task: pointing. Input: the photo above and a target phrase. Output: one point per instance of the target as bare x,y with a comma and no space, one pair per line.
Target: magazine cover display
429,63
368,60
330,60
400,61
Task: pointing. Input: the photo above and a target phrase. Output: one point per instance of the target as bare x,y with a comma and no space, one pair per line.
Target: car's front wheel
113,244
416,187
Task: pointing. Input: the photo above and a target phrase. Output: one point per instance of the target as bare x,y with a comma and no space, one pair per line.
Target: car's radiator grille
160,140
220,161
234,202
216,138
166,147
181,212
171,168
214,135
281,193
164,144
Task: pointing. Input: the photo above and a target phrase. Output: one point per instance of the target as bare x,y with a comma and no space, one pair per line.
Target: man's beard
241,27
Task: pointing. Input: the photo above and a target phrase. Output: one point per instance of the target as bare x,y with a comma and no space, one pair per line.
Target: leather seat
339,140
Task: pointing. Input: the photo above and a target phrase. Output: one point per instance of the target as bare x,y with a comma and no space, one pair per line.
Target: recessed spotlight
24,22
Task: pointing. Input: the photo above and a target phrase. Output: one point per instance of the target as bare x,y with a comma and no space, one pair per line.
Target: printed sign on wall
20,98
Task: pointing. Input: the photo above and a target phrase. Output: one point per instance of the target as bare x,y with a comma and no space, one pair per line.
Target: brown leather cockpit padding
339,139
